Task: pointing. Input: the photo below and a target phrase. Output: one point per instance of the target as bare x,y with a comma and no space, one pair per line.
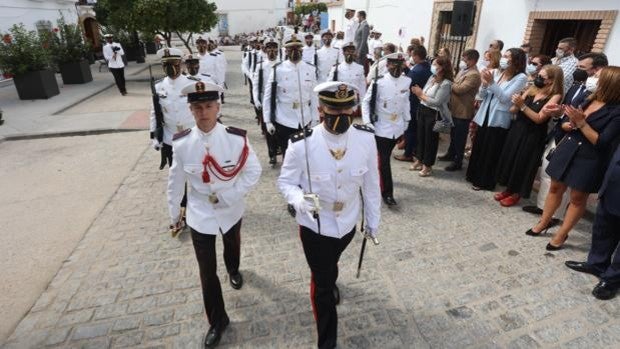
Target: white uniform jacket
336,182
392,106
222,65
189,152
177,116
353,74
327,58
288,105
265,66
108,54
307,54
350,27
210,66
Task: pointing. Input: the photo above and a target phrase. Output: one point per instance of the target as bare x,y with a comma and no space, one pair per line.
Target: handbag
552,150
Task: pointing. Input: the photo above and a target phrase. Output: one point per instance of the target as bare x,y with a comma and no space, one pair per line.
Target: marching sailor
327,56
349,71
309,51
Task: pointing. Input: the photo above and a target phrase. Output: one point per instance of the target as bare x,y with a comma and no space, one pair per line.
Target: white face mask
591,84
530,69
503,63
462,65
433,70
559,53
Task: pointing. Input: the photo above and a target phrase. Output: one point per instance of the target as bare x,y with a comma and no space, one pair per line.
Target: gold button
338,187
340,171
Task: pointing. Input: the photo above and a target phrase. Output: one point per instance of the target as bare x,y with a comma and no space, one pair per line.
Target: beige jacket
464,89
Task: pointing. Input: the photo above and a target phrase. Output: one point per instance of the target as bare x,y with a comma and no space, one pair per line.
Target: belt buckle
295,105
213,198
180,128
393,116
338,206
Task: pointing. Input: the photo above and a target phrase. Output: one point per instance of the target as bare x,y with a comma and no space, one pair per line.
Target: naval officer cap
327,32
269,41
337,94
170,54
396,57
202,91
190,59
348,44
293,42
309,35
108,36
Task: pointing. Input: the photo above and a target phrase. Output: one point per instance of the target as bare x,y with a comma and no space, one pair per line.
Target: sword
374,240
311,195
177,228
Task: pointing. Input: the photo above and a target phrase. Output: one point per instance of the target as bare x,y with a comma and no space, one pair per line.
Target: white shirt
114,62
289,107
350,27
211,65
307,54
392,106
189,153
382,68
177,116
337,43
334,181
222,65
327,57
353,74
372,45
265,66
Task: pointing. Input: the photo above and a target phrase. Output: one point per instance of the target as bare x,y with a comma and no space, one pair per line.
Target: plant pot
151,48
36,85
76,72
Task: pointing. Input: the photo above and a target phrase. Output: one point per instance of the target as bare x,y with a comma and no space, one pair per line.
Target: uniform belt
333,206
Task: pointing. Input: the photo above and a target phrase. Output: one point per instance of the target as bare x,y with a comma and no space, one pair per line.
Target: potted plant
69,53
149,42
27,58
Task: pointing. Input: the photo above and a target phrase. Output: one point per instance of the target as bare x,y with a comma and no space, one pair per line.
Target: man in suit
464,90
361,39
605,236
589,64
419,74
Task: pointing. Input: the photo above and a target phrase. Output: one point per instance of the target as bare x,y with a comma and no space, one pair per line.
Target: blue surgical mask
530,69
433,70
503,63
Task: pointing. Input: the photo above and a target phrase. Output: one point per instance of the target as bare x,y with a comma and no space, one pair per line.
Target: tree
164,17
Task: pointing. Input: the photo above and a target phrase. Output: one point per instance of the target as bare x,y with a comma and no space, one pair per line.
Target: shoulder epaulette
159,80
218,53
277,64
181,134
193,78
298,136
236,131
380,77
364,128
310,64
213,54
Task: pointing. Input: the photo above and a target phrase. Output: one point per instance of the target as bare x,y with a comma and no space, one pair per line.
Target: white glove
270,128
371,234
309,203
155,144
370,125
258,105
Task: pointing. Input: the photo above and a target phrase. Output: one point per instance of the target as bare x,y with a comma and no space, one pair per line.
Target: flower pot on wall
36,85
76,72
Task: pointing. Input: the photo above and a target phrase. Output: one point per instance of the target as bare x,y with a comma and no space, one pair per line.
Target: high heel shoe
531,231
551,247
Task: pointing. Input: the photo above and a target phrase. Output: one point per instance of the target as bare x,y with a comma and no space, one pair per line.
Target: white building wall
506,20
29,12
249,16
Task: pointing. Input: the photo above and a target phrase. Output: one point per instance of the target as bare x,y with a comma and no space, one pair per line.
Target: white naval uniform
288,112
382,65
210,65
245,62
334,181
337,43
351,73
307,54
372,45
327,57
392,106
189,153
350,27
266,66
177,116
108,54
222,65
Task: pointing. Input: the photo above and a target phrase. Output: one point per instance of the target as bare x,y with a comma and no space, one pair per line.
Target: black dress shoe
389,201
532,209
445,157
605,290
582,267
212,339
336,295
453,167
236,280
272,160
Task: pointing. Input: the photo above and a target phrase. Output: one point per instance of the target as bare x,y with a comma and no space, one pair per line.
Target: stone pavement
454,269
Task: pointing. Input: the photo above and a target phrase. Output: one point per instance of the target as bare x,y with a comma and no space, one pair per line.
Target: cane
365,238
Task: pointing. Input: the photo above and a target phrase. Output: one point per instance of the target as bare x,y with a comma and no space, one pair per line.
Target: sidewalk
41,117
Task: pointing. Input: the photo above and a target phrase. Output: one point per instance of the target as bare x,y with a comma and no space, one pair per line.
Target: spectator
525,141
565,58
533,68
419,75
361,39
464,89
496,45
380,65
580,159
527,48
490,60
433,108
444,52
493,117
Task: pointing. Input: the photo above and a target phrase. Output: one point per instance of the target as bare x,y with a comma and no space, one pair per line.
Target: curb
73,104
95,132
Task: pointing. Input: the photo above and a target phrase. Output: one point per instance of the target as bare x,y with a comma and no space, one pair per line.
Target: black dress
522,153
485,153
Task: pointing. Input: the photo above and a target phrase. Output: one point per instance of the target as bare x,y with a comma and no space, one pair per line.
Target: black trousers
282,136
322,254
119,78
411,136
251,93
384,148
204,246
605,244
428,141
458,140
272,144
168,154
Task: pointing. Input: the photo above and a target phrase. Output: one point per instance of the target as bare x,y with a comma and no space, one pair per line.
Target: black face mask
172,71
327,42
272,54
193,69
295,56
580,76
539,82
396,71
338,124
349,58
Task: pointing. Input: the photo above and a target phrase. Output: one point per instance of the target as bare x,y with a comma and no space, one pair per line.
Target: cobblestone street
454,269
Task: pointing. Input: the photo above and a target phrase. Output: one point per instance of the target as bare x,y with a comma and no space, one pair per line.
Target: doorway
584,31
